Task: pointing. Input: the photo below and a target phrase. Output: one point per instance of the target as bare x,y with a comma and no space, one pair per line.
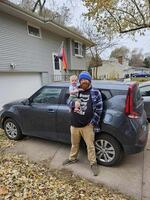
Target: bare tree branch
41,5
139,10
135,29
34,8
124,11
117,22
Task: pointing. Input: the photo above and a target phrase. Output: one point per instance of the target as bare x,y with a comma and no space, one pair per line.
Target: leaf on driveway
3,191
21,179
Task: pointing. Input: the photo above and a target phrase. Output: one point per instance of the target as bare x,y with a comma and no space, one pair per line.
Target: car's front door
39,117
63,119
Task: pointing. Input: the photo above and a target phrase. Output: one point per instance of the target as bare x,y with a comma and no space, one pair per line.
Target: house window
34,31
78,49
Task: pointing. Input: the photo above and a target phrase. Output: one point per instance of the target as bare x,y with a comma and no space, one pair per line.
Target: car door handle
51,110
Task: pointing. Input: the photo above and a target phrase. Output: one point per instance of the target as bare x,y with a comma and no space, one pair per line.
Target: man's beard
85,86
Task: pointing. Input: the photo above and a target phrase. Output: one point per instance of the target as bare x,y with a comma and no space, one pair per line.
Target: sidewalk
132,177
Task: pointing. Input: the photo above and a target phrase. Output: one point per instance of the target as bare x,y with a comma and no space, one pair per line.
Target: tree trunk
41,5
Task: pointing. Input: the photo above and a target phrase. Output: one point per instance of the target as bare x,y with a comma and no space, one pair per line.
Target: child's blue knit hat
85,75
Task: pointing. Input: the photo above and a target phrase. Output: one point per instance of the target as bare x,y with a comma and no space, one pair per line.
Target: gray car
145,92
124,126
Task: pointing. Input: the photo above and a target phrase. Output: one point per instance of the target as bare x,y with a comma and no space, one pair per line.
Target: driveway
132,177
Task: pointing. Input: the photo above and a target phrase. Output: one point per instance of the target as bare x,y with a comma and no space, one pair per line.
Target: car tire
12,130
108,150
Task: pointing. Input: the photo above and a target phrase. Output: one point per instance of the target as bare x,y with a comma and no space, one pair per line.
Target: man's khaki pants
88,135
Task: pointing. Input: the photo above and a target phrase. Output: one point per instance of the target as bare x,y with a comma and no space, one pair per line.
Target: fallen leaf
3,191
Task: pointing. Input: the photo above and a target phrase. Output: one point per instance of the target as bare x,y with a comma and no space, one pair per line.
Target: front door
56,67
63,118
39,117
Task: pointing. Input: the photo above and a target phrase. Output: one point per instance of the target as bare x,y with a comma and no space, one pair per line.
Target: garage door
15,86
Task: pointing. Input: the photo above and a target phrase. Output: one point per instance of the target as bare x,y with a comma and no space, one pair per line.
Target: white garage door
15,86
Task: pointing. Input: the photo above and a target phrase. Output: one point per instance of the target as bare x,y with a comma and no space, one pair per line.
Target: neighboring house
116,68
111,69
28,45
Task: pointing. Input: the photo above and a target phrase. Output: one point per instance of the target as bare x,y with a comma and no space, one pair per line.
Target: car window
66,96
118,92
105,94
136,96
145,90
48,95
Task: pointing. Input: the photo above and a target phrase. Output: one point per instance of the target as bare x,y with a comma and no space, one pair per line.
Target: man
85,120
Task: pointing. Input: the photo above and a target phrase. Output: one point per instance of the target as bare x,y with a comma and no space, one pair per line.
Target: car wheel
108,150
12,130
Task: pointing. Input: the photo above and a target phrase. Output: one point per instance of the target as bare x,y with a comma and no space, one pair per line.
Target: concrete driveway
132,177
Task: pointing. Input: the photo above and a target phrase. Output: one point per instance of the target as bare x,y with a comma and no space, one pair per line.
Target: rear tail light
129,108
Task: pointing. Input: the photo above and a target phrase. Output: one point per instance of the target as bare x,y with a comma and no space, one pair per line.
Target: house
116,68
28,48
111,69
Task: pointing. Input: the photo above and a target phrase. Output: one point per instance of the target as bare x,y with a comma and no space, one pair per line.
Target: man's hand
90,125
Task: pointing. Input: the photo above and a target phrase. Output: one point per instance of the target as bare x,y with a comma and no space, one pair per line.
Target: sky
139,42
76,7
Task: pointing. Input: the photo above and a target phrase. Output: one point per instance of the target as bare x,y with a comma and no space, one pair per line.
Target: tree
95,62
137,58
101,44
120,52
33,5
39,3
147,62
60,15
27,4
119,16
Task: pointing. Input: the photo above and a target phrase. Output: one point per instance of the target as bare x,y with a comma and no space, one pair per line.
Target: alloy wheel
11,130
105,152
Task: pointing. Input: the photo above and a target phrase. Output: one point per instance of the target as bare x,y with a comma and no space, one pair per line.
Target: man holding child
85,120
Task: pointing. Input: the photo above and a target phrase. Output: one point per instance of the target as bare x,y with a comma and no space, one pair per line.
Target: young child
73,91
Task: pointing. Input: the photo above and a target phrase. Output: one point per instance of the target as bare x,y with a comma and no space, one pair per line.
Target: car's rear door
39,117
145,92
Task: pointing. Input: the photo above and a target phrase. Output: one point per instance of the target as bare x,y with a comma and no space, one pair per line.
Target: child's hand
80,89
77,110
73,91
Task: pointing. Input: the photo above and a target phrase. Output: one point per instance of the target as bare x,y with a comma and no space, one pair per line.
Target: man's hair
73,77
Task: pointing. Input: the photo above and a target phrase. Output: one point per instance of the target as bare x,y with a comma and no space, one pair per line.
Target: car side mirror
146,93
27,102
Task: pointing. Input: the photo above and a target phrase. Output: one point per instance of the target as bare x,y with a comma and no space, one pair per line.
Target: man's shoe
94,169
69,162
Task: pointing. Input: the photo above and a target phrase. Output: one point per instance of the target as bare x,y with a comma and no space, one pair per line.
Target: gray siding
31,54
74,62
28,53
77,63
68,52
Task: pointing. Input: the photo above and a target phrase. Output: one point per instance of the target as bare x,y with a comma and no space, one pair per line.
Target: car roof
144,83
102,84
